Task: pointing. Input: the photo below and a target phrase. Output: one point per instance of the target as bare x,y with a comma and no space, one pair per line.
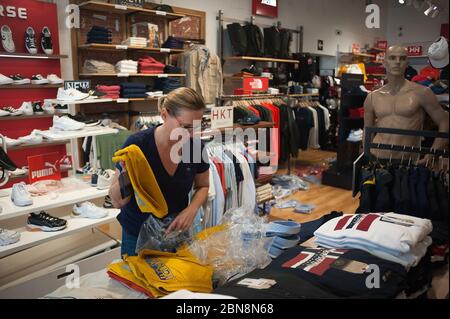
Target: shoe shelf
126,75
31,86
16,177
261,59
42,144
69,135
32,56
32,238
114,47
86,101
121,9
26,117
83,193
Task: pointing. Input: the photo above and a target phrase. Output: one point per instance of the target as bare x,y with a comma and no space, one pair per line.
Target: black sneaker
37,108
30,40
80,117
5,161
108,203
61,108
19,79
45,222
46,41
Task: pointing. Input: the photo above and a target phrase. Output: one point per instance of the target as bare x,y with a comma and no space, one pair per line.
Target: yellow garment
360,66
148,195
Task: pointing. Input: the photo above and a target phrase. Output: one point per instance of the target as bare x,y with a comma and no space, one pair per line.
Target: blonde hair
181,98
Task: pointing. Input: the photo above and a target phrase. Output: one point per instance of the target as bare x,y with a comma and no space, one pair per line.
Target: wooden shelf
42,144
119,9
164,75
32,56
16,177
118,47
31,86
261,59
26,117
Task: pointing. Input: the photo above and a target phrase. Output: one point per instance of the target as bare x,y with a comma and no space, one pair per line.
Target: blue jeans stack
99,35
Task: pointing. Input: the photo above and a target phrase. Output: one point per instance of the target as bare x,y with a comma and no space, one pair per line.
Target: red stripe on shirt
366,222
342,222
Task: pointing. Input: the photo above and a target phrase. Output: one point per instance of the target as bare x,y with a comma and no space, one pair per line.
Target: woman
182,108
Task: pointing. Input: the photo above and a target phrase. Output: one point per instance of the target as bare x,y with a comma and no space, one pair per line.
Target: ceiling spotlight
401,1
432,11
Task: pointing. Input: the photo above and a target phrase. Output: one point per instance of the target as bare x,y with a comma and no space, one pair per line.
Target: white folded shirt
391,231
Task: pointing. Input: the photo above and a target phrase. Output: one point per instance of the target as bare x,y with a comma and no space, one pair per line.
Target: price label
163,75
123,75
122,47
120,7
164,50
161,13
122,100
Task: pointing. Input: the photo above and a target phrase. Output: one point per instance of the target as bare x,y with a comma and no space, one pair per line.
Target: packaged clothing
107,145
95,66
203,72
146,189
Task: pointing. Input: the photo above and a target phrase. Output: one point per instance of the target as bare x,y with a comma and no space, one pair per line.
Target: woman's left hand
183,221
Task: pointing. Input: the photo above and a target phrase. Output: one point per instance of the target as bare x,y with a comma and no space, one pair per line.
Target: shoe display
108,203
39,79
37,108
45,222
4,80
20,195
12,111
85,169
48,107
89,210
33,138
8,237
30,40
104,179
62,108
10,141
65,162
19,172
46,41
65,123
7,39
80,117
4,113
71,95
54,79
6,162
19,80
27,108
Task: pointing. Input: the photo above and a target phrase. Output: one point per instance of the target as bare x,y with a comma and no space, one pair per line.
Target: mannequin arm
438,115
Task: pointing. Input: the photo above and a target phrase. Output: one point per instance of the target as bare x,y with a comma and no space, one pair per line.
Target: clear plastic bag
153,235
238,249
285,185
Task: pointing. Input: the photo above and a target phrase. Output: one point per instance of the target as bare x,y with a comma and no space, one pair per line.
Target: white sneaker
89,210
20,195
20,80
4,113
8,237
54,79
27,108
104,179
10,141
12,111
33,138
71,95
19,172
7,39
65,123
48,107
39,79
4,80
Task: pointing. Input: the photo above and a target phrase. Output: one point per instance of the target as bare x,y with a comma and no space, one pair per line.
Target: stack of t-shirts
399,238
99,35
95,66
127,66
135,42
285,235
263,193
110,91
167,84
172,69
148,65
157,274
133,90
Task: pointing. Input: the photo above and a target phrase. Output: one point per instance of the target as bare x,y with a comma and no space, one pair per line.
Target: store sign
13,12
44,167
266,8
222,117
256,84
414,50
81,85
382,45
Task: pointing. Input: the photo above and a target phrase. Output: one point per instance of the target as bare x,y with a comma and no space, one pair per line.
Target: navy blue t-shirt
175,188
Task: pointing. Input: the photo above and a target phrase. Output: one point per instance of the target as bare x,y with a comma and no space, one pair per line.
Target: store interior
325,130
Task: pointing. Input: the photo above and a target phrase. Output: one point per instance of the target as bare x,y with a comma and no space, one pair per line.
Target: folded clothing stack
127,66
148,65
135,42
170,69
110,91
167,84
285,235
173,43
398,238
133,90
99,35
264,193
95,66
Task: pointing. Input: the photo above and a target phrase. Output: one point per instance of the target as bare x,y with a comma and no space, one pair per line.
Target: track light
432,11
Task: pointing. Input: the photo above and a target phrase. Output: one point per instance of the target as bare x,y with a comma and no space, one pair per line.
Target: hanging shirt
314,133
305,122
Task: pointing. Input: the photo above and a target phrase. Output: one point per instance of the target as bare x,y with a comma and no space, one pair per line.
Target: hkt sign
13,12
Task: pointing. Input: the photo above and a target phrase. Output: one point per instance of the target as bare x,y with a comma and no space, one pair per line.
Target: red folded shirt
108,88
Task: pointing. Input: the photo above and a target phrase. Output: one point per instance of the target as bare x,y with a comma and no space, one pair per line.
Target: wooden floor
325,198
